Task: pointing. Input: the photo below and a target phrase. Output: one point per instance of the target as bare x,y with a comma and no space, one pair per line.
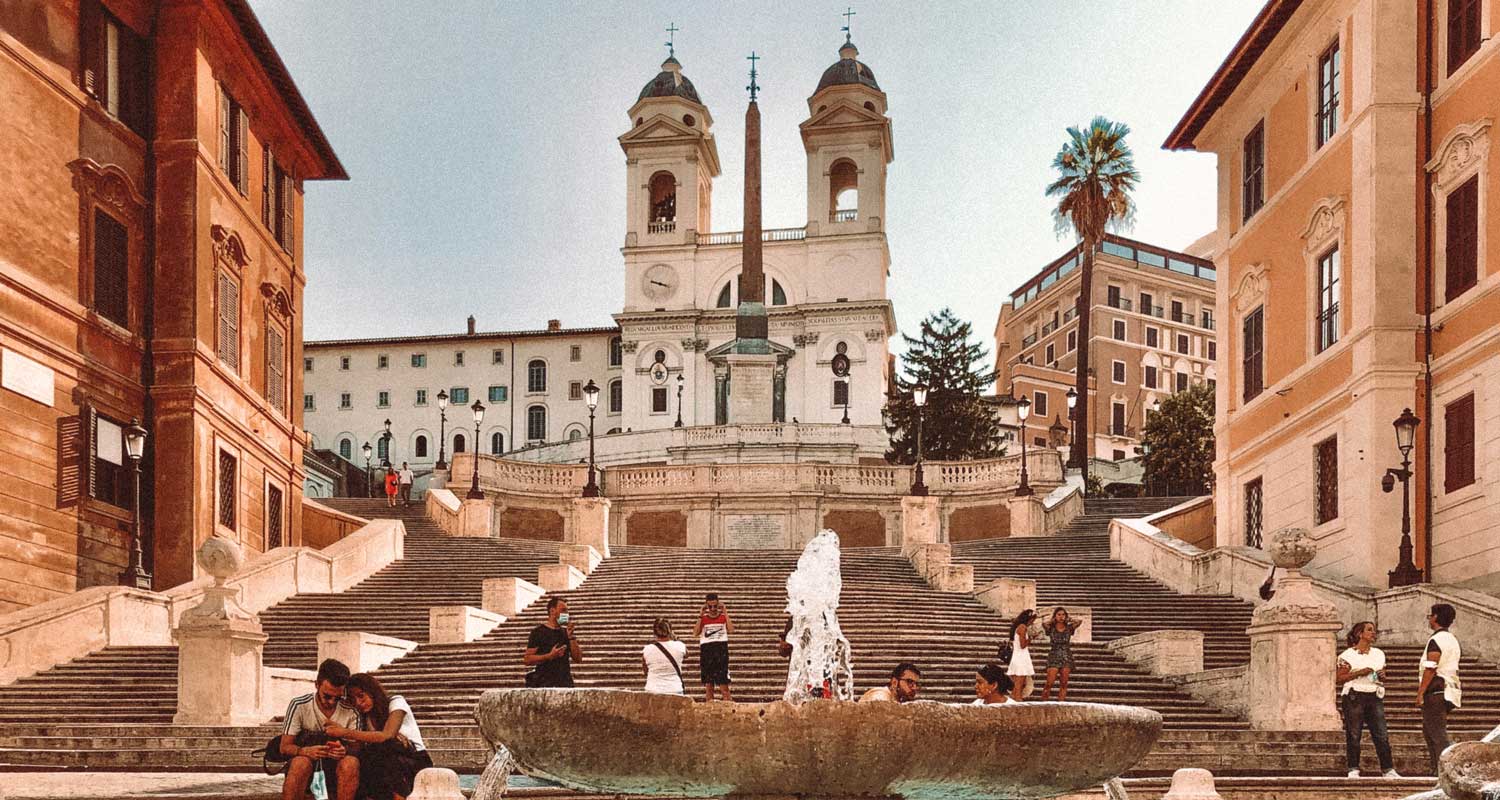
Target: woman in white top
1361,674
991,686
662,660
393,751
1020,669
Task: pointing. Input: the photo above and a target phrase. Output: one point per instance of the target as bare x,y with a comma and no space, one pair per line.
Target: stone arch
843,190
662,205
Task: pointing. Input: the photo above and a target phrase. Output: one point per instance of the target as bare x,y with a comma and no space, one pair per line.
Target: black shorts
713,662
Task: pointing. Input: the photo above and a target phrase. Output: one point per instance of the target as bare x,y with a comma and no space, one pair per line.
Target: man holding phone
552,648
305,746
712,630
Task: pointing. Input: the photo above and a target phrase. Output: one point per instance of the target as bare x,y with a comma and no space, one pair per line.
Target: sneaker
1354,773
1390,773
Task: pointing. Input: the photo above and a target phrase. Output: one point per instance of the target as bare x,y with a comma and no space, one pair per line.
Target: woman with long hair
1020,669
1361,673
1060,657
393,751
991,686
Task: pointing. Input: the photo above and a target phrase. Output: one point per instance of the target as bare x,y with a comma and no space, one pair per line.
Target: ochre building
152,161
1356,280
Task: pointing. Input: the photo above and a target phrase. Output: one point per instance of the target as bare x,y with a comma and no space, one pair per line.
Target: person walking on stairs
1020,668
1439,691
662,660
1361,673
393,751
552,648
392,485
712,630
991,686
305,739
405,478
1060,631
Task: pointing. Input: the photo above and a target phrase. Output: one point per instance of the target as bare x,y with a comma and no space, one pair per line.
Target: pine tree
957,425
1178,442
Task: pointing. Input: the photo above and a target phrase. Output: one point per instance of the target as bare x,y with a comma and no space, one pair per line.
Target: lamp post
385,457
442,399
1406,572
365,448
591,398
677,424
1072,420
1145,472
474,492
135,446
919,397
1023,409
848,387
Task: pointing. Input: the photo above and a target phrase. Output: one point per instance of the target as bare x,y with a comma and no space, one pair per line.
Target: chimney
471,324
554,324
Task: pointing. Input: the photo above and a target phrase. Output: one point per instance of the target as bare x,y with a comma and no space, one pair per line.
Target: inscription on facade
755,531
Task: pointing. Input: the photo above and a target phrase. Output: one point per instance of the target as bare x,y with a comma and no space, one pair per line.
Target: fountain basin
622,742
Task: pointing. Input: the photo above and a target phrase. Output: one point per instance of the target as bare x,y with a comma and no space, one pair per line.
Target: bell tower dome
847,137
670,162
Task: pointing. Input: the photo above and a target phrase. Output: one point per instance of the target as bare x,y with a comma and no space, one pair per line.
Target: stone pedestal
361,651
220,674
558,577
436,783
1028,516
459,624
1293,640
1191,783
1163,652
475,518
752,378
509,596
1008,596
591,523
921,522
439,480
583,557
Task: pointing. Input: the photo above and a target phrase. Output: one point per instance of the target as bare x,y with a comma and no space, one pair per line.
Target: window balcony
662,226
844,215
1155,311
1069,314
1184,319
1029,340
1048,328
1119,302
1208,322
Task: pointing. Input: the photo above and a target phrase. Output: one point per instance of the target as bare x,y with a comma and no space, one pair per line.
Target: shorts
713,662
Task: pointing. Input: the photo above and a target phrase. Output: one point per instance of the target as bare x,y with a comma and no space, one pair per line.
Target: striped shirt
303,714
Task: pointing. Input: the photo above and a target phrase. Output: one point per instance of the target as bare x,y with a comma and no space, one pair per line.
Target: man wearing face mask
552,649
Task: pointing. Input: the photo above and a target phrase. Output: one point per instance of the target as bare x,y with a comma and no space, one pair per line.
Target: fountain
626,742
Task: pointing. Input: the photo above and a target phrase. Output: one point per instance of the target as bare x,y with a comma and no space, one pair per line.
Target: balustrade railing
844,215
1122,303
662,226
738,237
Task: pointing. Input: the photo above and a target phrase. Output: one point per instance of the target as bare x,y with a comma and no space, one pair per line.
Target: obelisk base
751,380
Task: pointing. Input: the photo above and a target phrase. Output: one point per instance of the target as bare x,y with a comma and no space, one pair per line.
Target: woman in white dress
662,660
991,686
1020,669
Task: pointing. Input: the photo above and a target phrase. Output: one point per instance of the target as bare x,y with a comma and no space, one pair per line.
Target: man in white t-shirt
662,660
310,714
1439,692
404,479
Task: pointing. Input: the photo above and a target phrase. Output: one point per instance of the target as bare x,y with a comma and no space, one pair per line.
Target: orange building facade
1356,280
151,173
1153,333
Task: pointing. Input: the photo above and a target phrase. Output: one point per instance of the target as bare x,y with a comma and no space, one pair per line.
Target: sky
486,179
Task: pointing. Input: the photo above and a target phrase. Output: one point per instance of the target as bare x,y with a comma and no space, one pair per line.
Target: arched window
346,449
383,448
575,434
724,299
775,292
843,191
420,447
497,443
458,443
616,352
536,376
616,397
536,423
778,294
663,210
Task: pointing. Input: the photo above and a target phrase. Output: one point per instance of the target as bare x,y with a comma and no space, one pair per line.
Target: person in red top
712,630
392,486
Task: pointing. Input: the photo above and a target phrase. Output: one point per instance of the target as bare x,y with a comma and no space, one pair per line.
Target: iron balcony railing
1029,340
1119,302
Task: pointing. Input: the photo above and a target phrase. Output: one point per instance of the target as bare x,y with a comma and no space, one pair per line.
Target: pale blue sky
486,179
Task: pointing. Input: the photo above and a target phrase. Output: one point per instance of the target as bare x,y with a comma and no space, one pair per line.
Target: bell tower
847,136
671,162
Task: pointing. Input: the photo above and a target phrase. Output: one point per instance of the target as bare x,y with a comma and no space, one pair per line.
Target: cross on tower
753,87
847,15
672,30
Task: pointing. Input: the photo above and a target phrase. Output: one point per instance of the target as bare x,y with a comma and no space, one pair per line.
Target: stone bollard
1295,629
1192,783
436,783
220,674
591,523
921,522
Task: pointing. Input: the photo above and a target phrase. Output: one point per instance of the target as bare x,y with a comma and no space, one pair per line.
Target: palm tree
1095,175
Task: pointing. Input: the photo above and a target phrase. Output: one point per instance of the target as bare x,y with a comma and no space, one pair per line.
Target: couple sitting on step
363,741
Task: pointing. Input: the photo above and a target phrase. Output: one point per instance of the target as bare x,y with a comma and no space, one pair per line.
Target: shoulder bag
672,661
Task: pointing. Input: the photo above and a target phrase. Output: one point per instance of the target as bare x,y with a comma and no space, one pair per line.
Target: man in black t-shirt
552,648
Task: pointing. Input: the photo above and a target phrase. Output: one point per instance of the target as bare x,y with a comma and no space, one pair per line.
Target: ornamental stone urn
1292,548
221,559
1297,628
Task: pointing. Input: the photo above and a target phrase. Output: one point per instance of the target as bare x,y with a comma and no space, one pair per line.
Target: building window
1072,341
1253,506
307,365
382,361
268,188
1051,354
1464,35
616,352
307,402
234,140
575,352
111,269
1152,337
1117,419
344,363
287,208
536,376
228,301
383,448
1182,343
1112,296
497,356
1147,303
346,449
1182,381
1150,377
228,483
419,447
1458,444
459,395
275,512
1461,251
116,67
616,397
1039,403
1119,330
1118,455
346,400
497,443
840,393
536,423
575,390
109,479
1117,371
1328,94
1213,350
1328,299
276,368
459,443
458,358
382,399
421,397
1177,315
498,394
658,399
1326,455
1253,177
1252,361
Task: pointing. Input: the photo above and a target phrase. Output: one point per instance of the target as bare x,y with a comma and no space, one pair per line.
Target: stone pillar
439,480
475,517
1028,516
921,522
591,523
1191,783
436,783
220,675
752,378
1008,596
1292,646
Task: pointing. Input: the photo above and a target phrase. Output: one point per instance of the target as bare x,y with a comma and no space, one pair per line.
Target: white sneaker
1390,773
1354,773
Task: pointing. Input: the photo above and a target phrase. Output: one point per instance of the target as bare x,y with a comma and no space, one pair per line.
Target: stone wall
322,526
856,528
522,522
658,528
989,521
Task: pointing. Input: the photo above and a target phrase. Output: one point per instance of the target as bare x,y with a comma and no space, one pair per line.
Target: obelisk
752,366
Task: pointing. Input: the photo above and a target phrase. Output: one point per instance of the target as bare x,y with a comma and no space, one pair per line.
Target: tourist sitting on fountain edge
991,686
906,680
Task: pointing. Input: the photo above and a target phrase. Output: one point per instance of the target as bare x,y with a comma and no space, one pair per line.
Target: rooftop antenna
672,30
848,18
753,87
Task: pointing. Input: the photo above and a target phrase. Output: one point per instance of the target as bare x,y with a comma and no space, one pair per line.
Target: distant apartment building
1153,332
530,383
1358,280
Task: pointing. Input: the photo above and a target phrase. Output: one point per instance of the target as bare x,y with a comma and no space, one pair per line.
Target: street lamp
847,388
365,448
919,397
677,424
1073,420
385,458
1145,449
442,430
474,493
135,446
1023,409
591,399
1406,572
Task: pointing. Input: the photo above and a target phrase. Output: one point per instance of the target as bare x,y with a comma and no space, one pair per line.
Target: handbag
274,762
1007,651
670,660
